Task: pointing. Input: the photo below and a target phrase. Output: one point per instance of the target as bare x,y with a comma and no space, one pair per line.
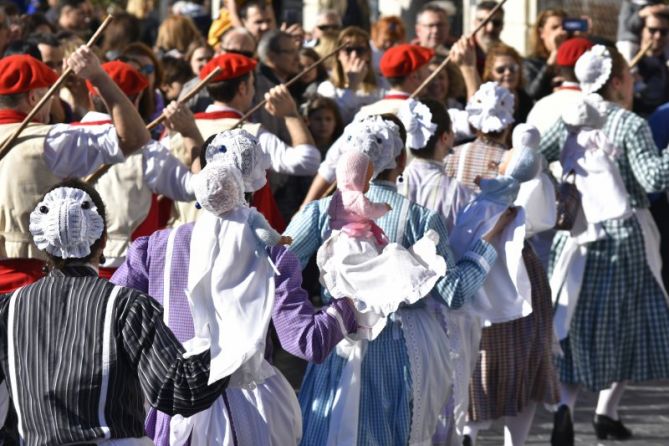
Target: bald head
238,40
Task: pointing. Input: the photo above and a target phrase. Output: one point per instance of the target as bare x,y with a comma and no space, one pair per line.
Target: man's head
24,80
234,85
328,22
257,17
654,32
72,15
51,51
128,79
432,26
278,51
490,33
568,53
405,66
238,40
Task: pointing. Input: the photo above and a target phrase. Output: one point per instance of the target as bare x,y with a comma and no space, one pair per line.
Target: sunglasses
147,69
326,28
513,69
496,23
248,54
357,49
663,31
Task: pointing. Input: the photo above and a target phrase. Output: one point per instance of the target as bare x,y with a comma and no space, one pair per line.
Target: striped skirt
516,364
620,327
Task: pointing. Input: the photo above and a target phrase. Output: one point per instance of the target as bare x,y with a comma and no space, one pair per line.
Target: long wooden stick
289,83
429,79
199,86
640,54
4,150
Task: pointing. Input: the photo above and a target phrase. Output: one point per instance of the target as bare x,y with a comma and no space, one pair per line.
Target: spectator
175,35
22,47
630,22
121,32
176,72
257,17
548,109
72,15
503,66
324,122
352,83
432,27
386,32
489,35
152,102
147,13
306,87
328,22
36,24
652,88
197,56
539,68
446,86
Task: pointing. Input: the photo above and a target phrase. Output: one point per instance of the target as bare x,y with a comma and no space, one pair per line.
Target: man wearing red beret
405,68
44,155
232,92
130,189
547,110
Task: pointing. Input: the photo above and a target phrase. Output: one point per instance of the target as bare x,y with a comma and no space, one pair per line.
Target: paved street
644,409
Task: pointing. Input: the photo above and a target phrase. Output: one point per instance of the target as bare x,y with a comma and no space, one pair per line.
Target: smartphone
572,25
292,16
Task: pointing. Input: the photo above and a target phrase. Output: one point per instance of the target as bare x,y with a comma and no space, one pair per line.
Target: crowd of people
443,244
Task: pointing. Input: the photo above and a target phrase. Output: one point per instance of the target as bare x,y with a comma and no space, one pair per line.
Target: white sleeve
76,151
327,169
347,100
166,175
299,160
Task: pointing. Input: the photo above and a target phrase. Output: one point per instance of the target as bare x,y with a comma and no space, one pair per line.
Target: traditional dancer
90,332
619,328
45,154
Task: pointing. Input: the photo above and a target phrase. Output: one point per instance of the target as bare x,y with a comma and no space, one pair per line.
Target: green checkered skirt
620,327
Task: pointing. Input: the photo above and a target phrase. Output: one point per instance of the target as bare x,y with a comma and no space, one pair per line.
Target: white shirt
302,159
163,173
348,101
548,109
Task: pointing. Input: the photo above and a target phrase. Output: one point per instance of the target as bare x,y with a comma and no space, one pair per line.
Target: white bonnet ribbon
417,120
66,223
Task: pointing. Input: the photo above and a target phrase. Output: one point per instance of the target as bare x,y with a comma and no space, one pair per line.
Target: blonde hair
537,45
140,8
497,50
177,33
338,76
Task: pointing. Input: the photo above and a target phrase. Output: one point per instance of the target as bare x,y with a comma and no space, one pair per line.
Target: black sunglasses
357,49
248,54
326,28
663,31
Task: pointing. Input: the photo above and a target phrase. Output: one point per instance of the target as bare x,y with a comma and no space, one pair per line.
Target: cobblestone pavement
644,409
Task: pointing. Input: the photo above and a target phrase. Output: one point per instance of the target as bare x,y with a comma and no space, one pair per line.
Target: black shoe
466,440
563,428
606,426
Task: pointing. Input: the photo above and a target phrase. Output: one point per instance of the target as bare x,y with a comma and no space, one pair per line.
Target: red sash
106,273
9,116
102,122
15,273
396,96
264,201
223,114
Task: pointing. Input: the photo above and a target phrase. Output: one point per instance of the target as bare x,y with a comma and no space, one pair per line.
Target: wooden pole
199,86
640,54
432,75
289,83
4,150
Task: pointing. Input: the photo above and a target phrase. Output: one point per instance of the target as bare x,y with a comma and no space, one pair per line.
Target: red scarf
218,115
10,116
396,96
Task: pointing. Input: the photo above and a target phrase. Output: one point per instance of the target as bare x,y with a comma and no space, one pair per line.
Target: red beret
402,60
570,50
127,77
20,73
232,66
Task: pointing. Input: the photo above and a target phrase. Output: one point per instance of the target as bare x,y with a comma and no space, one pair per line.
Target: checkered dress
511,371
620,327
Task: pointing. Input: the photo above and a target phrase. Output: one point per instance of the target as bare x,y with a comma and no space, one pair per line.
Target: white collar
218,108
93,116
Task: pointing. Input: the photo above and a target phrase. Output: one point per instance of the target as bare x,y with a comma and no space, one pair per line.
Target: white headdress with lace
593,68
219,187
377,138
417,120
491,108
66,223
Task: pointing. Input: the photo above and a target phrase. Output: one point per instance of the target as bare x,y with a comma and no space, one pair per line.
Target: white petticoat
267,415
378,282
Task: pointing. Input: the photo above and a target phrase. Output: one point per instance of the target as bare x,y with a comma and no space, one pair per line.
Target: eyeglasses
248,54
496,23
663,31
147,69
357,49
326,28
513,69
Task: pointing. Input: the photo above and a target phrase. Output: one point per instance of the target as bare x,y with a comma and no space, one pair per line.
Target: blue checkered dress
386,381
620,327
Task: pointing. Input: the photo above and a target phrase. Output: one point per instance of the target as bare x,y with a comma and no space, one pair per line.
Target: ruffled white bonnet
491,108
593,68
219,187
417,120
377,138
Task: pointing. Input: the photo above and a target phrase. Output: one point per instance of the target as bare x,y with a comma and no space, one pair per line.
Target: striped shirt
81,355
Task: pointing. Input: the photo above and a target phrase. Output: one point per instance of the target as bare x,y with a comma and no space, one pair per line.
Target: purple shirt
303,331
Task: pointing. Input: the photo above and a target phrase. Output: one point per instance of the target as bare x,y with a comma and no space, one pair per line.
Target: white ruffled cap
243,150
525,161
417,120
593,68
219,187
587,111
66,223
377,138
491,108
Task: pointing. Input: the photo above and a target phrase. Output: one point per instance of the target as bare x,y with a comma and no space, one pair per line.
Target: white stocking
609,400
568,395
517,428
472,428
